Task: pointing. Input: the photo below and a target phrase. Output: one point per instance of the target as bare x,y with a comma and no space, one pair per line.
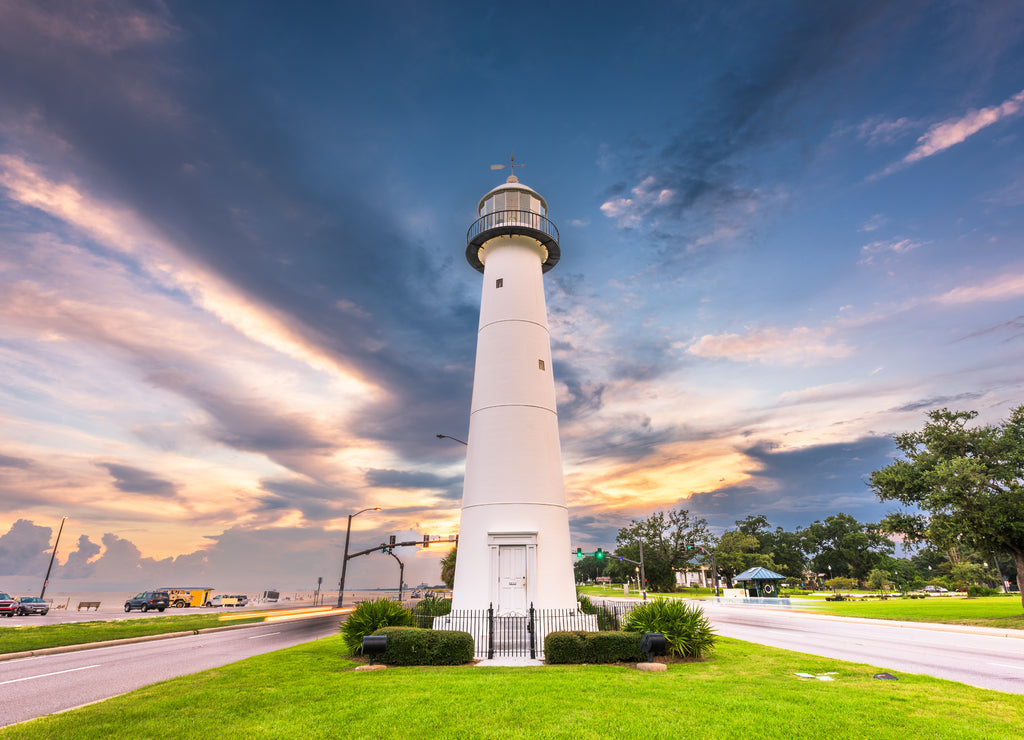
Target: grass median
988,611
19,639
744,690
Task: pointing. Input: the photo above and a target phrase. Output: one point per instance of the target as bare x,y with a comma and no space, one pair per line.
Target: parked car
32,605
241,600
8,605
936,589
222,600
147,600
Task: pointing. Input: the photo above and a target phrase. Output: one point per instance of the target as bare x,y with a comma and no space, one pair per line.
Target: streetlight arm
454,439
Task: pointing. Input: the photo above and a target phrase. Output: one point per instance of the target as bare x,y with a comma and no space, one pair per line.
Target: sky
235,307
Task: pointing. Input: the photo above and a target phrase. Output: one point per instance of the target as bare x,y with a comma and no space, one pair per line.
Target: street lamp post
344,560
643,575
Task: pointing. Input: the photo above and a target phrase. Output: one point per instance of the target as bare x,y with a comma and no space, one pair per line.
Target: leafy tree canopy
665,541
851,548
960,484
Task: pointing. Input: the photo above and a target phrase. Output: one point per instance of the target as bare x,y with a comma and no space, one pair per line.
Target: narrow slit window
499,283
540,364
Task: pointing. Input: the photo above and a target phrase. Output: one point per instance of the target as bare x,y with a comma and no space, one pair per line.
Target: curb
123,641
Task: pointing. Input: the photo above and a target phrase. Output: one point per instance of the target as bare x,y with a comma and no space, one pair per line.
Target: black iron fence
520,635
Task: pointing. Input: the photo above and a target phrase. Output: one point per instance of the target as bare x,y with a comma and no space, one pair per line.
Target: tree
878,580
784,548
736,552
962,486
667,541
851,548
448,567
588,568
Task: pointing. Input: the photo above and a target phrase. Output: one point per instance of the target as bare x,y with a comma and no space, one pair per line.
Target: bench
87,605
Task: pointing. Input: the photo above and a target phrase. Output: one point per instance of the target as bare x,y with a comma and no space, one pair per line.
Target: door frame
495,540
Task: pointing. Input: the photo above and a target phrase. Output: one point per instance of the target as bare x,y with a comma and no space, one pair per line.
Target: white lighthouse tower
514,544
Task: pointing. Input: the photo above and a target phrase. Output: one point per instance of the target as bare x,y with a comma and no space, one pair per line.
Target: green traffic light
599,554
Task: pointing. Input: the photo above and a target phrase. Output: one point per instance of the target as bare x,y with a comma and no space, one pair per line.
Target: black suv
147,600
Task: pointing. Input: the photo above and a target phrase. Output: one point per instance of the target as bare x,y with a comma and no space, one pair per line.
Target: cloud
878,130
134,480
100,26
23,549
7,461
870,253
788,484
942,136
949,133
1002,288
799,345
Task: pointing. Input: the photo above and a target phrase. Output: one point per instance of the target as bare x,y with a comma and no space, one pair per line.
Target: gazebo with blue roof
761,582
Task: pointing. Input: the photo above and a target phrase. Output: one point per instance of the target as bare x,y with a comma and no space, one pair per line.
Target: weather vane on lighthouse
512,166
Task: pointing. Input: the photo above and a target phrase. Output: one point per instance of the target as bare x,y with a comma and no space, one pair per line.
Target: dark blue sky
235,306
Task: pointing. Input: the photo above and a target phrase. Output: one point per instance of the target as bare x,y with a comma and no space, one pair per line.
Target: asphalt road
987,658
37,686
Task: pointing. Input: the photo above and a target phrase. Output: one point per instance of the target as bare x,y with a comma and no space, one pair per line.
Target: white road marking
1004,665
44,675
269,634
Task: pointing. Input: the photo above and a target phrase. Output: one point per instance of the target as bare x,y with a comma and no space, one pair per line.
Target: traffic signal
599,554
579,552
392,540
426,540
689,545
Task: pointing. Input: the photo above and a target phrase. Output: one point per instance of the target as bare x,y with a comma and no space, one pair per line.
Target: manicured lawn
988,611
18,639
743,691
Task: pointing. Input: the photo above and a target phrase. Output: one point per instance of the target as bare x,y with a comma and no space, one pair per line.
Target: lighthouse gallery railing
505,219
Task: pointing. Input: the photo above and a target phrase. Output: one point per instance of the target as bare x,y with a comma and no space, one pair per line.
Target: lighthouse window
499,283
540,364
499,202
512,201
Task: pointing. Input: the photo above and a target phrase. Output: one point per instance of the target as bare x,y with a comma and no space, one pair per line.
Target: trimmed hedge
593,647
416,646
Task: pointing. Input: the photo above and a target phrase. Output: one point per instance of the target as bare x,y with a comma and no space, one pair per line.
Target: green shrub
982,591
686,629
592,647
415,646
369,617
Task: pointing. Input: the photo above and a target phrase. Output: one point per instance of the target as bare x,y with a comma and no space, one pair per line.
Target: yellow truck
182,596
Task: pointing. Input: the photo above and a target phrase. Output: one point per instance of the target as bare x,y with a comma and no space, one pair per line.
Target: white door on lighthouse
512,579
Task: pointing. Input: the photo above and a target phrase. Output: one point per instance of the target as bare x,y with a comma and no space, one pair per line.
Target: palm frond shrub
687,631
424,612
371,616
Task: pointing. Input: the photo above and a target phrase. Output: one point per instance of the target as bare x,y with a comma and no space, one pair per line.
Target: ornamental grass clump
371,616
687,631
